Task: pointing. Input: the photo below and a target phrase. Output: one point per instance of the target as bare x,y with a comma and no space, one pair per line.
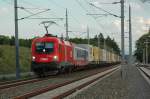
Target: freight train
54,54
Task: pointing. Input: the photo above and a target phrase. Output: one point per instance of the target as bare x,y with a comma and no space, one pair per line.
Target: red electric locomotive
53,54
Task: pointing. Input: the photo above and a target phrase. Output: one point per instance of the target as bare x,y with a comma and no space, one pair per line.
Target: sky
78,18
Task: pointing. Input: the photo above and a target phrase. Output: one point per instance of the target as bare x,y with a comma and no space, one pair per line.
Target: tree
12,40
4,40
110,43
140,47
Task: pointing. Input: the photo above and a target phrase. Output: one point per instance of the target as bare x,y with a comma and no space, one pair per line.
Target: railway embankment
7,61
129,84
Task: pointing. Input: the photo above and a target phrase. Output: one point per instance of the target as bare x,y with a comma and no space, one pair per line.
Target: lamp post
146,48
143,56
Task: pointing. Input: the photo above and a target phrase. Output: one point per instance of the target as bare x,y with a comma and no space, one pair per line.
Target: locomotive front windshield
44,47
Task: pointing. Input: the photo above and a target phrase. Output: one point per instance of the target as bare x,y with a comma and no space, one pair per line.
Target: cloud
139,26
136,6
83,26
141,21
147,21
145,0
3,10
117,23
95,3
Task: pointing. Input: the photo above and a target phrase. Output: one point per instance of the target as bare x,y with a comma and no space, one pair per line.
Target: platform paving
128,84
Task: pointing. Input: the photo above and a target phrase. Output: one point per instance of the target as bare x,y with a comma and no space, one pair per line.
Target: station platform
126,83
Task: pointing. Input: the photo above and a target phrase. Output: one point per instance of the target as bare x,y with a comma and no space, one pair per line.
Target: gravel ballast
127,85
20,90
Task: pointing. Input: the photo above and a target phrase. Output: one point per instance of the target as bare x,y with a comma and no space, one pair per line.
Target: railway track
145,73
16,83
12,81
61,90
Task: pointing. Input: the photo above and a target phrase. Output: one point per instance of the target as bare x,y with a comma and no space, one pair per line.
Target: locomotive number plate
44,59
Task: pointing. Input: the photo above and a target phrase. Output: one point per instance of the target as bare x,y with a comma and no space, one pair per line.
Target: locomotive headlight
33,58
55,58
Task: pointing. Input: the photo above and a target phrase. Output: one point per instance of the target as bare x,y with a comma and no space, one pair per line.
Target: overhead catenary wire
78,2
33,8
107,13
34,14
92,16
89,12
70,14
62,7
33,5
29,9
105,10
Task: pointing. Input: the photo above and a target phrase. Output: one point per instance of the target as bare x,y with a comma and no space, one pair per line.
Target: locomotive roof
54,38
67,43
44,38
85,45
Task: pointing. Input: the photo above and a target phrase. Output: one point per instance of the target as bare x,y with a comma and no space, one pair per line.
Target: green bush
1,52
7,59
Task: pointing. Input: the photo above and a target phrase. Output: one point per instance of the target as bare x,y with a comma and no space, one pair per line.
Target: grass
7,59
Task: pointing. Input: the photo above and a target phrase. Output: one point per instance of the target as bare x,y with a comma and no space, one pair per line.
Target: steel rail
18,83
22,82
52,87
145,73
69,92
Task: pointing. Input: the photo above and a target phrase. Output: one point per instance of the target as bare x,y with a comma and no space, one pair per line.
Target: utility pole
112,53
62,37
123,72
16,39
146,51
88,35
130,35
122,30
67,37
98,44
105,49
143,56
98,41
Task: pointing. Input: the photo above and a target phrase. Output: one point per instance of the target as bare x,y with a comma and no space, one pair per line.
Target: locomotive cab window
44,47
